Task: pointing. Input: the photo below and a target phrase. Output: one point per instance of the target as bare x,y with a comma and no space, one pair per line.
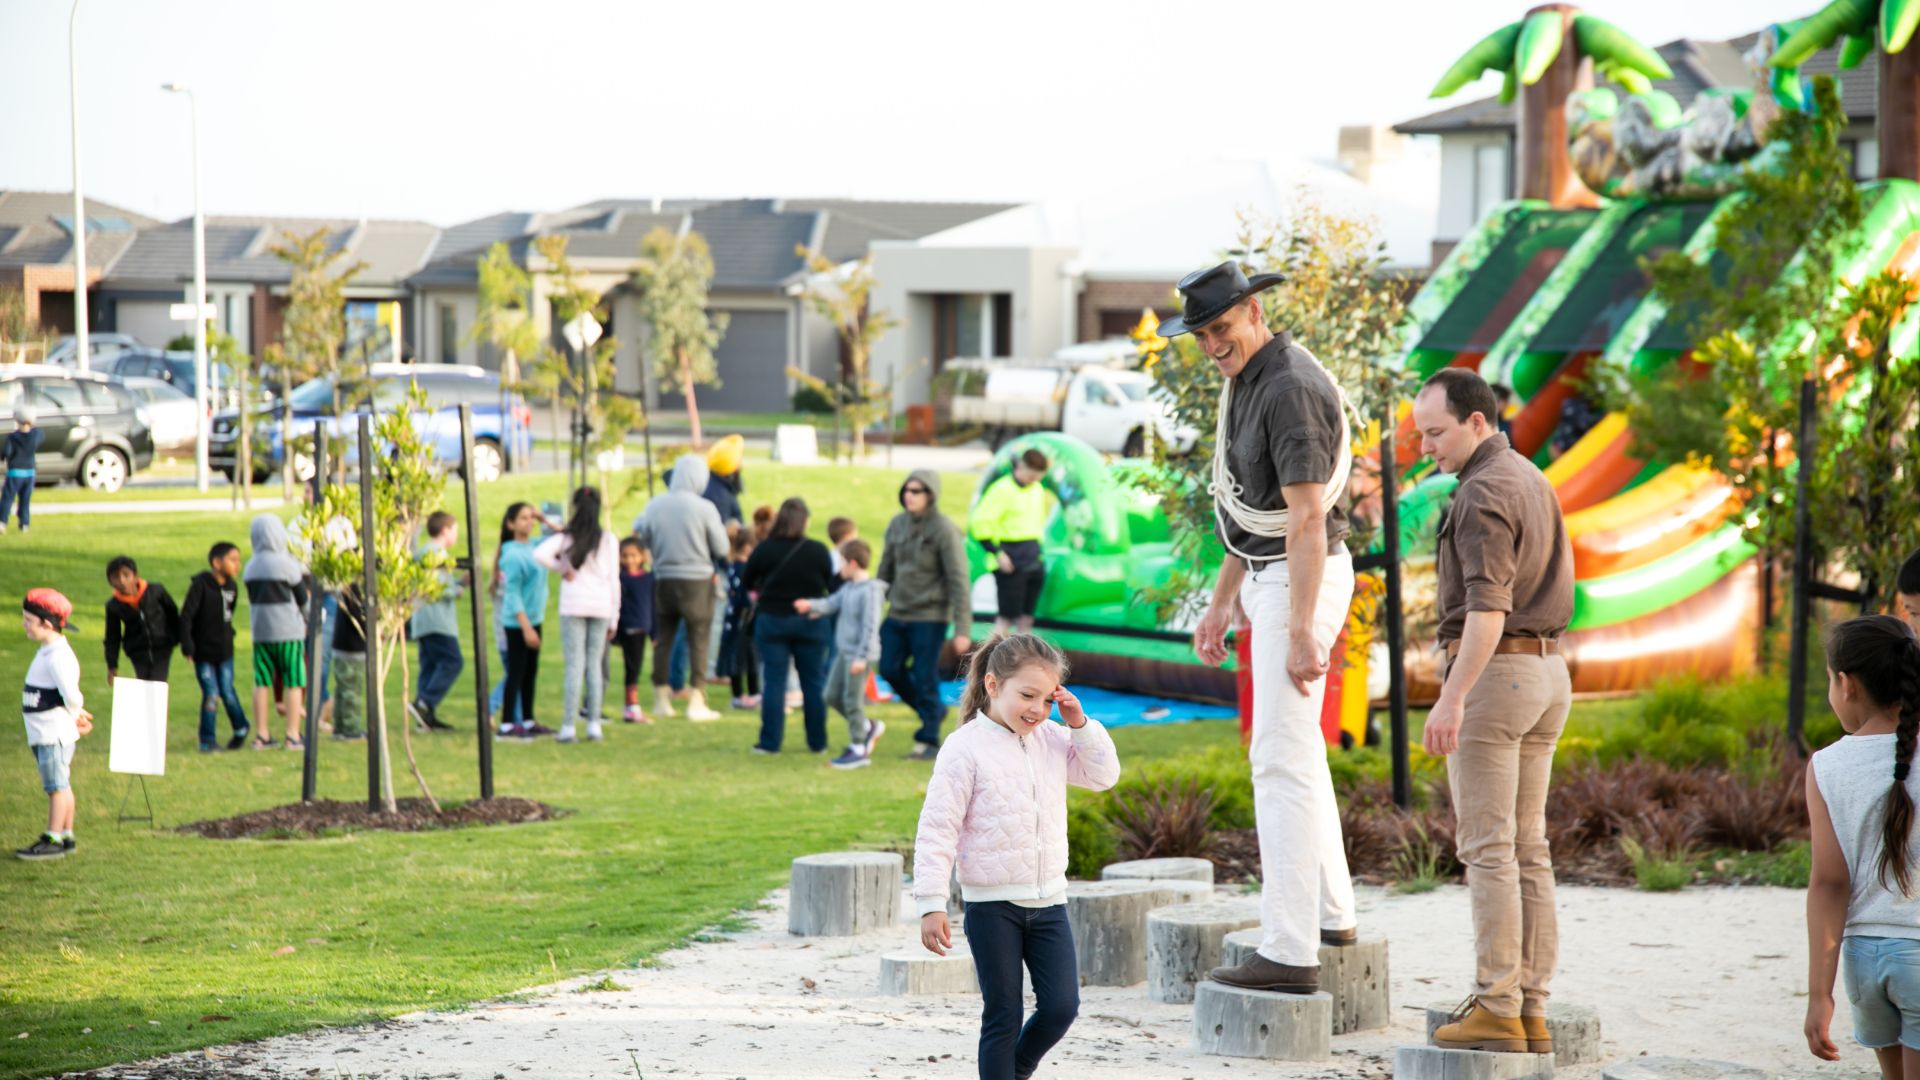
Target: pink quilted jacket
998,803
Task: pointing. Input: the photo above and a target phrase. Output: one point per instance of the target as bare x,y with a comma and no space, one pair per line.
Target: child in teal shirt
523,604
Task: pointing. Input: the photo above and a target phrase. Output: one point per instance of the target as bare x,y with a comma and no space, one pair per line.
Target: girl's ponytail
1881,653
1001,656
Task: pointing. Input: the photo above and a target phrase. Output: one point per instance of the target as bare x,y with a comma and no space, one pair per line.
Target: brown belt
1531,646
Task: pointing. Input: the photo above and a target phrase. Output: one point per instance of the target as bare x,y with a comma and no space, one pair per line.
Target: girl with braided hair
1860,797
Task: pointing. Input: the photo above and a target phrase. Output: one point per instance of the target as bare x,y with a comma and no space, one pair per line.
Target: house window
449,335
972,324
1863,156
1491,173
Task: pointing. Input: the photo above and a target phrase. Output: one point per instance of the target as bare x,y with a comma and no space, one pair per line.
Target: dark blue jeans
20,488
440,665
781,638
1003,936
910,662
216,689
676,660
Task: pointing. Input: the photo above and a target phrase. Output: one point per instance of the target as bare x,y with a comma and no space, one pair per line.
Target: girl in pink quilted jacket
996,819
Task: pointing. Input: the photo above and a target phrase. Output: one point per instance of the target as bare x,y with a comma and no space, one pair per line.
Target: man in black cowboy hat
1281,458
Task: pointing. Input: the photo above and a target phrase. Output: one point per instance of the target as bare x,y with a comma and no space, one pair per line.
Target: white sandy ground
1709,972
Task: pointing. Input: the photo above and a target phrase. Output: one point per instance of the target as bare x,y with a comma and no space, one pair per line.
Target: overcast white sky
447,110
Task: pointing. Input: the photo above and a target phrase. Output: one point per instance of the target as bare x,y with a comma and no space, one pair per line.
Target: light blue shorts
55,761
1883,983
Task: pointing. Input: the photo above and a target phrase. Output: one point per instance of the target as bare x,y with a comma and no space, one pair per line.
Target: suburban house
1040,276
36,250
758,274
1477,138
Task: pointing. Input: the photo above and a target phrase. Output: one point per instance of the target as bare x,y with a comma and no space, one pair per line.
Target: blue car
502,436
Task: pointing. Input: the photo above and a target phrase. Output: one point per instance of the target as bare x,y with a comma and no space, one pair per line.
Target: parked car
101,348
170,412
501,421
172,367
1077,392
96,433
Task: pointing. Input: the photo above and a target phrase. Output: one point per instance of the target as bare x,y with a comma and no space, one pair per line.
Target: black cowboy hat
1210,292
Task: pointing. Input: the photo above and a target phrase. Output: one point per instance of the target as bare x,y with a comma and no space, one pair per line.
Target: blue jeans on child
17,487
440,664
216,689
803,641
917,686
1002,936
1883,983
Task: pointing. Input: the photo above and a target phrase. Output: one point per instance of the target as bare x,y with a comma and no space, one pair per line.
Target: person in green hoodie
924,565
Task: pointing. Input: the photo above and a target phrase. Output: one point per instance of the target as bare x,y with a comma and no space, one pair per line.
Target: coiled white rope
1226,490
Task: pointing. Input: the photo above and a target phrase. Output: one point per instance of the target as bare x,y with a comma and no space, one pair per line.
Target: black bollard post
477,597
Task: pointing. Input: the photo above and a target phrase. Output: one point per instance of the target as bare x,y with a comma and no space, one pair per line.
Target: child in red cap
52,706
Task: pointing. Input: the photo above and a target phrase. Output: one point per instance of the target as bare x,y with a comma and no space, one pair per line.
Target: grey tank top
1855,775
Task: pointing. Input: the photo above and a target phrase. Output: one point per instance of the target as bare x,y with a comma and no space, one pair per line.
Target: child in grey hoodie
277,591
859,604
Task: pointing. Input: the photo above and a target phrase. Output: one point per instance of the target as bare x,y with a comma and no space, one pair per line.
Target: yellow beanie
724,458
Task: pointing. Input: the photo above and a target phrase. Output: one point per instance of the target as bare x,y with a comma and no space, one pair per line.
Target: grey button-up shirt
1283,427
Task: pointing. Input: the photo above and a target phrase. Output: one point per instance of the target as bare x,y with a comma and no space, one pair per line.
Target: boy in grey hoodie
924,565
277,590
689,546
856,643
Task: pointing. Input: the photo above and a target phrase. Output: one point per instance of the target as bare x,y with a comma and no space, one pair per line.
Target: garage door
752,360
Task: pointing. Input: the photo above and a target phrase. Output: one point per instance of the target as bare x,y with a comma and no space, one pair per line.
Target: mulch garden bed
332,816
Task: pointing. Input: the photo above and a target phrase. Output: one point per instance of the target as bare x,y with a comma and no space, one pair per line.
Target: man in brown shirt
1280,471
1506,595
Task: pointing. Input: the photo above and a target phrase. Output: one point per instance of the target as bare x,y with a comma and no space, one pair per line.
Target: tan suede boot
697,710
663,702
1539,1039
1474,1028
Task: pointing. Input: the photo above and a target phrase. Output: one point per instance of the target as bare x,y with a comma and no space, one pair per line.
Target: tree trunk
693,407
1898,123
406,728
1542,169
286,436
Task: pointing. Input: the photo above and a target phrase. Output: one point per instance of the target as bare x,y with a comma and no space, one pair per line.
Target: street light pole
82,356
200,396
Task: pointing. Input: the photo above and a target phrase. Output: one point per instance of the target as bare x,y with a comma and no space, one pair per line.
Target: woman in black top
787,567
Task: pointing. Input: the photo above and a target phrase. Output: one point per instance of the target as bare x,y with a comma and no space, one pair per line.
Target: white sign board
581,331
139,739
796,444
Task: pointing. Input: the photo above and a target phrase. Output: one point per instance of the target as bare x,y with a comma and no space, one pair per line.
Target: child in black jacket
142,619
206,638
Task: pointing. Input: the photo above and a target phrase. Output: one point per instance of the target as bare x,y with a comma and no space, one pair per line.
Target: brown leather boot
1338,938
1539,1039
1260,973
1474,1028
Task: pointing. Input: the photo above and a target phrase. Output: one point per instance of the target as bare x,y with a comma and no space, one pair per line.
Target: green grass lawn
120,951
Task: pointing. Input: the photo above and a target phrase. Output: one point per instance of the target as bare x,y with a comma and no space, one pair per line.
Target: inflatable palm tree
1858,25
1540,72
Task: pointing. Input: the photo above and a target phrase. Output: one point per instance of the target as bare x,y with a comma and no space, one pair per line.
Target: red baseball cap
48,604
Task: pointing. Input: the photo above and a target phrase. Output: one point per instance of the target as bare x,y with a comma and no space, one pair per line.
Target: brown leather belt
1530,646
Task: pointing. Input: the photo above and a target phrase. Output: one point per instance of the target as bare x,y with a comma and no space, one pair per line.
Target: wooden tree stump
1258,1023
1575,1030
1184,942
1355,975
1433,1063
913,972
1159,870
1109,920
842,893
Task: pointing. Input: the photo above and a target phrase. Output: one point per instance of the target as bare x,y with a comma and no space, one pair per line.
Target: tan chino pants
1511,721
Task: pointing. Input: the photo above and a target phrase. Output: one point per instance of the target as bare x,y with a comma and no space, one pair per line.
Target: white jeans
1303,866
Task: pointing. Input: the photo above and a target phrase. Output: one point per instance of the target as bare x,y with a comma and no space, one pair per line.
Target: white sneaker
697,710
594,734
566,732
875,729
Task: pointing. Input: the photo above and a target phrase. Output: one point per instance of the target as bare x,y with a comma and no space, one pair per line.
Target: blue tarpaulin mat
1116,708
